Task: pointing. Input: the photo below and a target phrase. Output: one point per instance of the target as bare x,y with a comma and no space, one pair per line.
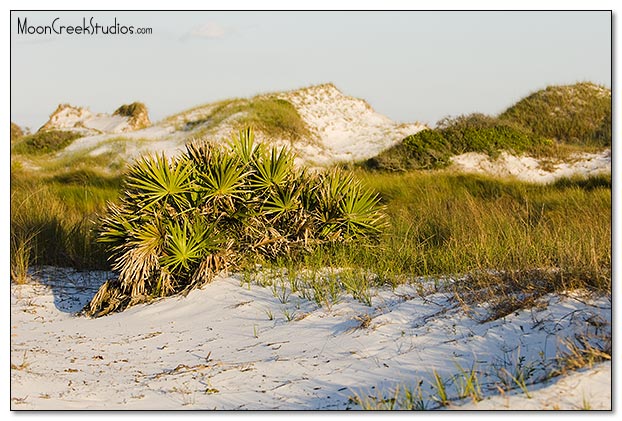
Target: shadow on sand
72,289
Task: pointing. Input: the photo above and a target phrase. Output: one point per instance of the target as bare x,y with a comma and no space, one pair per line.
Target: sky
410,66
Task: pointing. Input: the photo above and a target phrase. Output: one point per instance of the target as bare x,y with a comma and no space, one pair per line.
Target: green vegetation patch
551,123
53,218
44,142
482,133
433,148
270,115
426,149
578,114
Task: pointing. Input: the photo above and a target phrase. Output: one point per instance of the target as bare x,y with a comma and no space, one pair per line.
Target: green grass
578,114
541,238
271,115
53,218
44,142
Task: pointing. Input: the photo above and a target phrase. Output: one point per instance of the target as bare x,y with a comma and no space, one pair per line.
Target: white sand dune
231,346
526,168
342,129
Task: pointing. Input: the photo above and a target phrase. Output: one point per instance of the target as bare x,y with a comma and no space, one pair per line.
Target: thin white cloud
209,30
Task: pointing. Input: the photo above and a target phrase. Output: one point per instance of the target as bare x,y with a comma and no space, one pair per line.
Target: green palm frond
333,187
115,227
361,213
153,182
148,234
282,200
187,244
223,182
345,209
273,169
244,146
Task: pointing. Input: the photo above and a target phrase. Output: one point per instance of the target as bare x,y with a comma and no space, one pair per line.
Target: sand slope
231,346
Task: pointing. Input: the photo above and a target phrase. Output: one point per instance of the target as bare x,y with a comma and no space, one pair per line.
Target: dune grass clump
578,114
274,116
44,142
131,110
179,222
53,219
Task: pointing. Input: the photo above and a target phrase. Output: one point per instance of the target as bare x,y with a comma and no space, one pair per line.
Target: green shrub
426,149
433,148
180,222
45,142
482,133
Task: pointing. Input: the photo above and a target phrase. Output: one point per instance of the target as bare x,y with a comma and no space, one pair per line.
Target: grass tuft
44,142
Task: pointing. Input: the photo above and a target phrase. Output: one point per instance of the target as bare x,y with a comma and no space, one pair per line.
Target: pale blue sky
410,66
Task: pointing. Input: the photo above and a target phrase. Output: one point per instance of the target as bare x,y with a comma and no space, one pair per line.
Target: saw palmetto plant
181,221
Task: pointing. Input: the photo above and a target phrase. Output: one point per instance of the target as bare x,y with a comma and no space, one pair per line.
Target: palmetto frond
244,146
139,262
115,227
200,153
360,212
333,187
273,169
152,182
222,182
187,243
283,200
345,208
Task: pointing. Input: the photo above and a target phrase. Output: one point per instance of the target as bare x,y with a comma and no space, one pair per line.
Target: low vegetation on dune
173,224
508,242
44,142
549,123
433,148
270,115
578,114
180,222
